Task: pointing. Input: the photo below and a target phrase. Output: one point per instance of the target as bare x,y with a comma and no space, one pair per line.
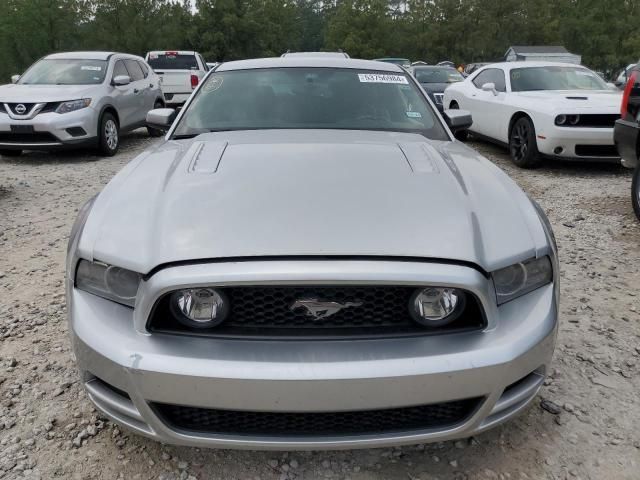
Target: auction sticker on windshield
381,78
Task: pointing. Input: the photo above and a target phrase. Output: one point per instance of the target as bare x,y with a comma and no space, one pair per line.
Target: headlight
521,278
199,307
107,281
73,105
561,119
436,307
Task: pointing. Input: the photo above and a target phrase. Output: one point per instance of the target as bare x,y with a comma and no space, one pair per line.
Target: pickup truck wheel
154,132
108,135
10,153
522,144
635,192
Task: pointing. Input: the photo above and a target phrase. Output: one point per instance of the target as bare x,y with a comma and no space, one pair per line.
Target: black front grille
597,151
34,137
237,422
264,311
28,107
598,120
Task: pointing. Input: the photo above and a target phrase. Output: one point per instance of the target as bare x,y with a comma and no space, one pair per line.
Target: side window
119,69
492,75
145,69
135,72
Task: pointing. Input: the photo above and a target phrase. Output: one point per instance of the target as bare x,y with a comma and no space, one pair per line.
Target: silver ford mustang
310,260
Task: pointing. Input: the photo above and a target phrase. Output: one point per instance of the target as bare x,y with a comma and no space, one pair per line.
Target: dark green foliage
605,33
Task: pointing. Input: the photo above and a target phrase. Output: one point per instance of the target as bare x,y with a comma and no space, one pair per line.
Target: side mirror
618,84
161,118
458,120
15,78
490,87
121,80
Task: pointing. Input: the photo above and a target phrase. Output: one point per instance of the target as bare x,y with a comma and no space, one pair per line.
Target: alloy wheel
520,141
111,134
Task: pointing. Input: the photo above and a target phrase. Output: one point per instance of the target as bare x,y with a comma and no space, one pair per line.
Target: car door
124,97
487,106
150,84
140,88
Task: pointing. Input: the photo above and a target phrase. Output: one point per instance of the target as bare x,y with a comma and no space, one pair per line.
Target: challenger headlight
521,278
107,281
73,105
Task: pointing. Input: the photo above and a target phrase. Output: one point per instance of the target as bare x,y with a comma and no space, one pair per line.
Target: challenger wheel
522,144
108,135
635,192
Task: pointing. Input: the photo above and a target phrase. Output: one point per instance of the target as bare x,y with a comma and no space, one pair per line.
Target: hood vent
421,157
577,98
205,156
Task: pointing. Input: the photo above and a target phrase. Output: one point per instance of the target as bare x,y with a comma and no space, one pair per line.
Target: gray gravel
585,424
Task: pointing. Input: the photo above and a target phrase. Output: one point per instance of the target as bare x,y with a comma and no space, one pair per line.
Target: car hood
435,87
14,93
310,193
581,99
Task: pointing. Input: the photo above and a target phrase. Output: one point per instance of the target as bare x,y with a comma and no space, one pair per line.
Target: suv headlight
107,281
521,278
73,105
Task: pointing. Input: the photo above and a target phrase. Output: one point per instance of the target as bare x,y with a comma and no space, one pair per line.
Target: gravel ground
585,424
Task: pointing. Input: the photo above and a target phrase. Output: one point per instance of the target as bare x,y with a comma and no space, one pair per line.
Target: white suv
77,99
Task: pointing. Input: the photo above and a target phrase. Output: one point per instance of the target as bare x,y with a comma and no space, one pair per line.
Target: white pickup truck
179,71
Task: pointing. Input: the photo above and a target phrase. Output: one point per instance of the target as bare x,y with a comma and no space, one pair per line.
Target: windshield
555,78
172,61
438,75
309,98
65,72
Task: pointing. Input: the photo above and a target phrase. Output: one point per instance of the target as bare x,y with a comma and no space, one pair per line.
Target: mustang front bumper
49,131
129,372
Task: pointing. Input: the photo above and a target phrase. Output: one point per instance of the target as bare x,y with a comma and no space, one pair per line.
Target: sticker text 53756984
382,78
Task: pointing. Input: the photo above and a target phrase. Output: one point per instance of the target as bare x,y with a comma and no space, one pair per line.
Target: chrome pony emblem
319,309
20,109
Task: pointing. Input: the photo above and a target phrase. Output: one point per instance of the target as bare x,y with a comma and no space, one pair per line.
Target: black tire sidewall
103,147
635,192
532,159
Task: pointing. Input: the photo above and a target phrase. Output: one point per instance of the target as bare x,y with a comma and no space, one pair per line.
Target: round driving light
561,119
436,307
200,307
511,279
574,119
121,282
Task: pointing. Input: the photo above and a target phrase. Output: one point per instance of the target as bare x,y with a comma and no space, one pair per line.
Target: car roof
527,64
179,52
316,54
81,56
318,62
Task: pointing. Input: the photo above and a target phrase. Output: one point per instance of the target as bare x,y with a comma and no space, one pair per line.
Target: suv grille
265,311
235,422
28,137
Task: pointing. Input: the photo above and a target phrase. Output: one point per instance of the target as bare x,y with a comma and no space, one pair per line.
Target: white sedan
540,109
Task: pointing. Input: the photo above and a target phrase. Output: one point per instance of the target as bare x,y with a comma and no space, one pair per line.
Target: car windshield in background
172,61
309,98
555,78
437,75
65,72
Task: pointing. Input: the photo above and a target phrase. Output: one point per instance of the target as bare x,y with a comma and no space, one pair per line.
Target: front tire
10,153
522,144
635,192
108,135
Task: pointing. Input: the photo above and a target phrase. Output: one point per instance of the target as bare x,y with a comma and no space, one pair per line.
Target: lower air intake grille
597,151
234,422
33,137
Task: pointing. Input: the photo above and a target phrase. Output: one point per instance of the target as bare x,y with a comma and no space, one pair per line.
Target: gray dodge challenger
310,260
